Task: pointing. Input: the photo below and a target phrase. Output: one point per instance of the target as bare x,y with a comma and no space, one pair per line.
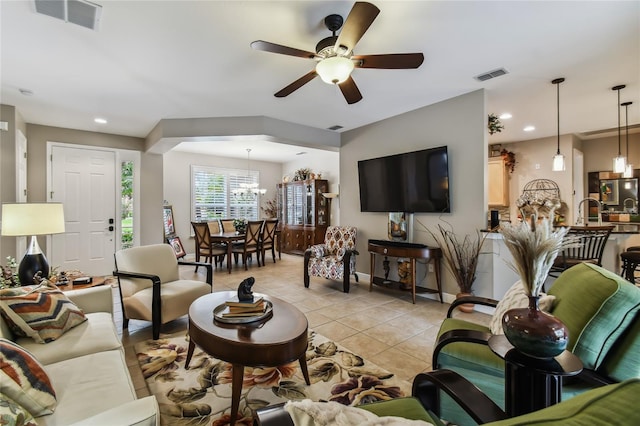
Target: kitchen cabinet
498,182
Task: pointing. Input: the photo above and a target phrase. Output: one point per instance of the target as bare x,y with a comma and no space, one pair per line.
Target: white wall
460,124
177,184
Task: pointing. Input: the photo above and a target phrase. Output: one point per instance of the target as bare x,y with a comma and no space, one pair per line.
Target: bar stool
630,264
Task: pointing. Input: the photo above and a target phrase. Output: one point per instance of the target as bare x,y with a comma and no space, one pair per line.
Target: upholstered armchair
614,404
602,313
151,288
335,259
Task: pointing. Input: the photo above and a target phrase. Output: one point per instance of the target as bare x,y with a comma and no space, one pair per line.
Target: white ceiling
153,60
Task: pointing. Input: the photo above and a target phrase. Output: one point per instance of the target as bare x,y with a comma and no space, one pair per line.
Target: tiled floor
383,326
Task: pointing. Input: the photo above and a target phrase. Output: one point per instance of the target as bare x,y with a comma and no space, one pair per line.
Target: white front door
83,180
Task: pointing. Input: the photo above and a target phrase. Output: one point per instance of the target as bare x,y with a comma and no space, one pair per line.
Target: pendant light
619,163
558,159
628,171
248,191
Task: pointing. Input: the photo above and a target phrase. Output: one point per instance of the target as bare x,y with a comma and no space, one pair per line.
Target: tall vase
534,332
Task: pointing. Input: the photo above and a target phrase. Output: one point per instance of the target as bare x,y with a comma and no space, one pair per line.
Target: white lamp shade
628,171
558,163
619,164
334,70
32,219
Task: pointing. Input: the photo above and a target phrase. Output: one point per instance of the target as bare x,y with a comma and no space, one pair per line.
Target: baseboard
446,297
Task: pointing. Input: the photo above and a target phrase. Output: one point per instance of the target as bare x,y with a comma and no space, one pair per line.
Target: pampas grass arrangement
534,245
460,255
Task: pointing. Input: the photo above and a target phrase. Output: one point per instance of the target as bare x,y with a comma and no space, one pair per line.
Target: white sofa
87,369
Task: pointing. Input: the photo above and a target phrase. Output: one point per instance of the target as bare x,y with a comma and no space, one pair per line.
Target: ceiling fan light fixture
335,70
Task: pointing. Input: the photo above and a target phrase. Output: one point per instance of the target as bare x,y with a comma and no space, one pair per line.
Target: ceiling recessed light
529,129
505,116
100,120
26,92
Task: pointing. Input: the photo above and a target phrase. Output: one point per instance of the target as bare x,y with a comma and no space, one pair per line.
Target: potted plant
460,256
240,225
493,124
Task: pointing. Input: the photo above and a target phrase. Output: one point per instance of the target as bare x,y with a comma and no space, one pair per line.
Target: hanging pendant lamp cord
618,105
558,109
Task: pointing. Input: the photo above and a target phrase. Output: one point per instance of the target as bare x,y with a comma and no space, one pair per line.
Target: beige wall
598,155
177,184
534,160
151,170
458,123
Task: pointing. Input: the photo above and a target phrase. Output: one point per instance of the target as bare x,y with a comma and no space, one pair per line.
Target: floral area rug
202,394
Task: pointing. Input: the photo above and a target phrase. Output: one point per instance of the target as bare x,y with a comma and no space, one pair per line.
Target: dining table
227,238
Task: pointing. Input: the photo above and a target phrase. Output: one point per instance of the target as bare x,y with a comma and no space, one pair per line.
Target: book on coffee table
236,303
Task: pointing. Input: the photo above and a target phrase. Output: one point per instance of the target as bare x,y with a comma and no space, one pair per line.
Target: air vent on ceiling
491,74
79,12
336,127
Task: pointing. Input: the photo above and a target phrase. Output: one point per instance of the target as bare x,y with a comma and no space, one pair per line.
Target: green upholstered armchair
601,311
614,404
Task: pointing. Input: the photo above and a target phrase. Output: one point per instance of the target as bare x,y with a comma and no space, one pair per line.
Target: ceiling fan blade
350,91
360,18
283,50
390,61
296,84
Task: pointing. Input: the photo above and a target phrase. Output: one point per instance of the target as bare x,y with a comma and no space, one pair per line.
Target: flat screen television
416,182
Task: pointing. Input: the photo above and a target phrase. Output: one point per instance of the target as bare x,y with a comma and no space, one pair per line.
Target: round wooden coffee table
271,342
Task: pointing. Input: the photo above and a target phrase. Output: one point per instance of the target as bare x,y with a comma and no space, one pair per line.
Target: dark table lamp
33,219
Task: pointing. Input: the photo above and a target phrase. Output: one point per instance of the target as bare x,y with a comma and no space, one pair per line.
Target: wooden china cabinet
303,213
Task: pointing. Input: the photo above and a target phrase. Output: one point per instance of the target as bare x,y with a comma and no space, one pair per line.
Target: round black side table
532,383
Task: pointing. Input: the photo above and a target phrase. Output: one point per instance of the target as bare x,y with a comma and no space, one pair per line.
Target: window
212,194
126,208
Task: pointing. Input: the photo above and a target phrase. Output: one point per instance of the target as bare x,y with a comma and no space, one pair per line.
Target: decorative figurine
244,290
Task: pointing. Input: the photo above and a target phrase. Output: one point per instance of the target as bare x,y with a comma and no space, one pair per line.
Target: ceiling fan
335,56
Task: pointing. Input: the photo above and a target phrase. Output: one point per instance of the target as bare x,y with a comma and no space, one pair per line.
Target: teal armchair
601,311
614,404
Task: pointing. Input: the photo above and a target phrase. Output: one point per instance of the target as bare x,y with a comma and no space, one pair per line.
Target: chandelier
248,191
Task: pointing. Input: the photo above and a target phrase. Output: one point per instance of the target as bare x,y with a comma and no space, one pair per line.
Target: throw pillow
24,380
514,298
310,413
43,312
13,414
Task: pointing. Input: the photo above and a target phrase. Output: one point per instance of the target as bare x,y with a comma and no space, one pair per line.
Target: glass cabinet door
298,204
322,203
310,203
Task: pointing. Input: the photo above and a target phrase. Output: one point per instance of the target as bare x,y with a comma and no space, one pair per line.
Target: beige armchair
335,259
151,288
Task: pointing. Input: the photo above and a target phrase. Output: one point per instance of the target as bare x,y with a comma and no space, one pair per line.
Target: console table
406,250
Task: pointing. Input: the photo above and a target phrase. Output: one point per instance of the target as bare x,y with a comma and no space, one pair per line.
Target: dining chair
212,252
251,242
589,247
214,226
268,238
227,225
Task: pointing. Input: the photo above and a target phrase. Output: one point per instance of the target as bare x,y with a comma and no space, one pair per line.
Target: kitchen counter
495,277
